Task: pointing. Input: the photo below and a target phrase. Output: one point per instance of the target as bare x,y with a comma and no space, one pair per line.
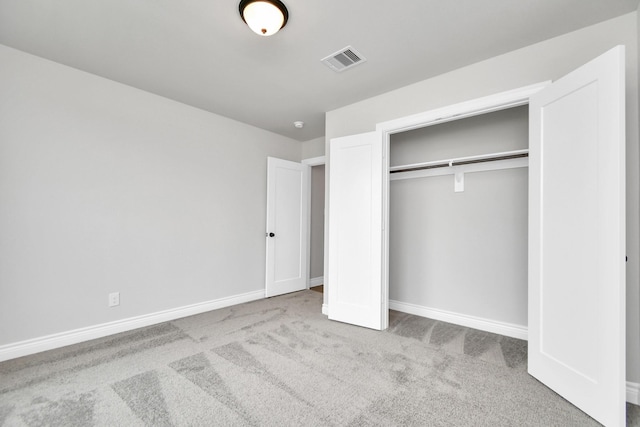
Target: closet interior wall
463,253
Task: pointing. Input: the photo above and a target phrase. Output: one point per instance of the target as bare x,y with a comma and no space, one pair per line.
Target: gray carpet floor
281,362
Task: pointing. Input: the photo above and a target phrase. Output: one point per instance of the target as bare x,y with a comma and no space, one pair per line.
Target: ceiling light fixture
264,17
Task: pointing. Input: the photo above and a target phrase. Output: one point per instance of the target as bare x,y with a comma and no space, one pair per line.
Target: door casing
488,104
311,162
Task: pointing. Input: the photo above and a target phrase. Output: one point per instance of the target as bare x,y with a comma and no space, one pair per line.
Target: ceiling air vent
343,59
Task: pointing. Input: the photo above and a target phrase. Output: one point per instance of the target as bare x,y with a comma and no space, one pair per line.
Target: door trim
318,161
315,161
475,107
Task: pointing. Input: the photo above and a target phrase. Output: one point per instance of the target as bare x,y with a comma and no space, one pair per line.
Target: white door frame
311,162
315,161
488,104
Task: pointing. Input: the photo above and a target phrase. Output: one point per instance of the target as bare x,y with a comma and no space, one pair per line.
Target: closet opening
458,221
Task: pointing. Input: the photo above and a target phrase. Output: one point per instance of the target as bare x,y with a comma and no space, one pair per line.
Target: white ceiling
199,52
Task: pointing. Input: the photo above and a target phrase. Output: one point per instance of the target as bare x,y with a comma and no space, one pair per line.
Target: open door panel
356,294
287,229
577,237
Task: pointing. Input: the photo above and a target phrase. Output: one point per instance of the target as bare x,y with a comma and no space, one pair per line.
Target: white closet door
577,238
356,294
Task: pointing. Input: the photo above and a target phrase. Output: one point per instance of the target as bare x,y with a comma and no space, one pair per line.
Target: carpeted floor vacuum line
279,361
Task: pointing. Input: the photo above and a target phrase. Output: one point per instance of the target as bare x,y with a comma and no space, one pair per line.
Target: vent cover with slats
343,59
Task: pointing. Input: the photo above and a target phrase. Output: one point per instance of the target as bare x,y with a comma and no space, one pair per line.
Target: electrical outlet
114,299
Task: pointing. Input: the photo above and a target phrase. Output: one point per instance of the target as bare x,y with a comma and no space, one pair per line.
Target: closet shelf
505,155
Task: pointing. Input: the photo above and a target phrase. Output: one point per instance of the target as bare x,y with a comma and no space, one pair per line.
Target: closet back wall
463,253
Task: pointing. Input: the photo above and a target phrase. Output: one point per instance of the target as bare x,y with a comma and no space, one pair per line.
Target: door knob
271,234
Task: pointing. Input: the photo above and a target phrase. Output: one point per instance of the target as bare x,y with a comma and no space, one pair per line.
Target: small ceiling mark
343,59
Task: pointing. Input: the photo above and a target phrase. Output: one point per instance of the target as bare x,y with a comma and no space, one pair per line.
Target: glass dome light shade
264,17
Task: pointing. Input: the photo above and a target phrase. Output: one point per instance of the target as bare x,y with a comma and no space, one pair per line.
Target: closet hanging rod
507,155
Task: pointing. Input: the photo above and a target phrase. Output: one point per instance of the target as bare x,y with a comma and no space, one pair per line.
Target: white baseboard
502,328
49,342
633,393
316,281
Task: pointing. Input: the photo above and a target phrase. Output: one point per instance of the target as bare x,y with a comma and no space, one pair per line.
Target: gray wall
546,60
313,148
317,222
463,252
107,188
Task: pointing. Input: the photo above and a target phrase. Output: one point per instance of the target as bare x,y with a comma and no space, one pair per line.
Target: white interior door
355,262
577,238
287,235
